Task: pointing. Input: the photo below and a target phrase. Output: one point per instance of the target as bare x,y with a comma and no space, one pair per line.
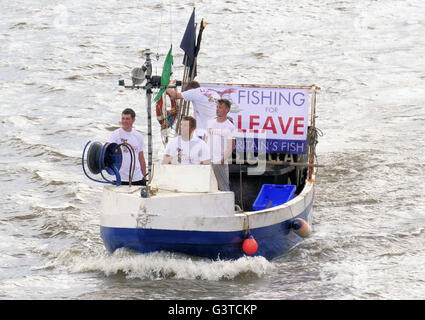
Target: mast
148,64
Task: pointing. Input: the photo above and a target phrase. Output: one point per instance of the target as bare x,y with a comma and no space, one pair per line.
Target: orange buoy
249,245
301,227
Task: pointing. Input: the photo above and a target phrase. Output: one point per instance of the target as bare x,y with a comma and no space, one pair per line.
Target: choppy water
59,66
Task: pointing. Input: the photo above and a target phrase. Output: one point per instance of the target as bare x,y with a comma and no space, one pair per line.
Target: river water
60,62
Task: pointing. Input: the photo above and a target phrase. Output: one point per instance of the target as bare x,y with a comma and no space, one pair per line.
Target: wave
161,265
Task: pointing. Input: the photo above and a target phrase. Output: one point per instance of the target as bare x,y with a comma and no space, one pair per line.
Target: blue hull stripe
272,240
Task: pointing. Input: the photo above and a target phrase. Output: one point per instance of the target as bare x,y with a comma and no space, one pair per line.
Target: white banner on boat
268,119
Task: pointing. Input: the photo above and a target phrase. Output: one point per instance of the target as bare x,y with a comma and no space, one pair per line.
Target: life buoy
166,117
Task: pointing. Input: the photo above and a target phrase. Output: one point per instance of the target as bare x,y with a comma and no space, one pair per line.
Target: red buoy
249,245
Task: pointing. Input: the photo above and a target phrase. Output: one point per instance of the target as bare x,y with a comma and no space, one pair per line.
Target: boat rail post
313,126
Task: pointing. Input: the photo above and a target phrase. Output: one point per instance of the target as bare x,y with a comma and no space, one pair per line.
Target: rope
171,23
159,36
132,161
313,138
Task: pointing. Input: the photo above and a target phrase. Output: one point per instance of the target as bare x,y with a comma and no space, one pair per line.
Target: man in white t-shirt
126,134
186,148
204,104
220,138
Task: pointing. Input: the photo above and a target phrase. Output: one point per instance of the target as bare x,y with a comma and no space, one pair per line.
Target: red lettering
297,125
282,125
240,124
252,123
269,125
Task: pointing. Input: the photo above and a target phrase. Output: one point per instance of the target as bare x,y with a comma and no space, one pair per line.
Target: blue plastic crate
272,195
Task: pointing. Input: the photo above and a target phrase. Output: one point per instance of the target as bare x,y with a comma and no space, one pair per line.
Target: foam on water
161,265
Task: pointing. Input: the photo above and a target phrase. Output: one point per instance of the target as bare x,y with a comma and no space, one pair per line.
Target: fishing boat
272,175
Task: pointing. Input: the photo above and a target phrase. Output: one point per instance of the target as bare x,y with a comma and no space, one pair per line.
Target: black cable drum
111,157
93,155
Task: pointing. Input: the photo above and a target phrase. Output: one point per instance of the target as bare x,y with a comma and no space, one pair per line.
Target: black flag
198,41
198,45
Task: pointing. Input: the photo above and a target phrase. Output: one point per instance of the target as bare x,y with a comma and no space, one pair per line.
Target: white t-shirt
135,139
219,134
204,106
191,152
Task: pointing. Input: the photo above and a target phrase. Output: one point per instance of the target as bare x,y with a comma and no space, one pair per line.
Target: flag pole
182,102
190,76
188,46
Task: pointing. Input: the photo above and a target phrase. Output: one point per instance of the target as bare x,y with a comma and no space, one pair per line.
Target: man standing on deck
220,138
126,134
186,148
204,104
